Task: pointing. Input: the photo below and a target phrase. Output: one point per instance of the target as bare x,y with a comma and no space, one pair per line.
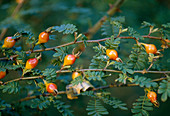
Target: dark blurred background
38,15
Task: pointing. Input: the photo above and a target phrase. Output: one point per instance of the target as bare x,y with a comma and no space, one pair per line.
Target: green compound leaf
114,102
107,28
42,87
138,58
4,105
166,25
142,106
98,62
164,89
21,56
134,33
50,74
94,75
29,35
95,108
107,99
61,53
147,24
9,65
41,103
122,78
62,108
65,28
77,80
112,43
11,87
144,82
111,27
100,49
36,72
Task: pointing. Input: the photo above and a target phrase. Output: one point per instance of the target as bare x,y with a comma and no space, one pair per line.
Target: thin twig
77,42
95,89
38,96
83,70
116,71
24,78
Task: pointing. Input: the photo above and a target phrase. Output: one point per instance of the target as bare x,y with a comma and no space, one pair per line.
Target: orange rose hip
75,75
150,48
69,60
51,88
8,42
31,63
2,74
43,38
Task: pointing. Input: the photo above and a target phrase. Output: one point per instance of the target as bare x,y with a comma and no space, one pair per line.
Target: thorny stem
95,89
109,70
114,8
16,10
19,79
83,70
77,42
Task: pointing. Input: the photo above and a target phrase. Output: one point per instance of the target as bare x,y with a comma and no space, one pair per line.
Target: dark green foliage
107,29
144,82
123,67
3,65
122,78
137,58
61,53
112,26
166,25
77,80
96,62
142,106
157,65
95,108
21,56
107,99
9,65
62,108
36,72
134,33
147,24
112,43
76,18
65,29
8,52
50,74
3,105
88,93
11,87
17,24
94,75
164,89
119,19
84,39
42,87
30,39
100,49
40,103
114,102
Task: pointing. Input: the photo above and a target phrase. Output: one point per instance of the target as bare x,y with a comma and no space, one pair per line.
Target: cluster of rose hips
68,60
31,63
52,88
